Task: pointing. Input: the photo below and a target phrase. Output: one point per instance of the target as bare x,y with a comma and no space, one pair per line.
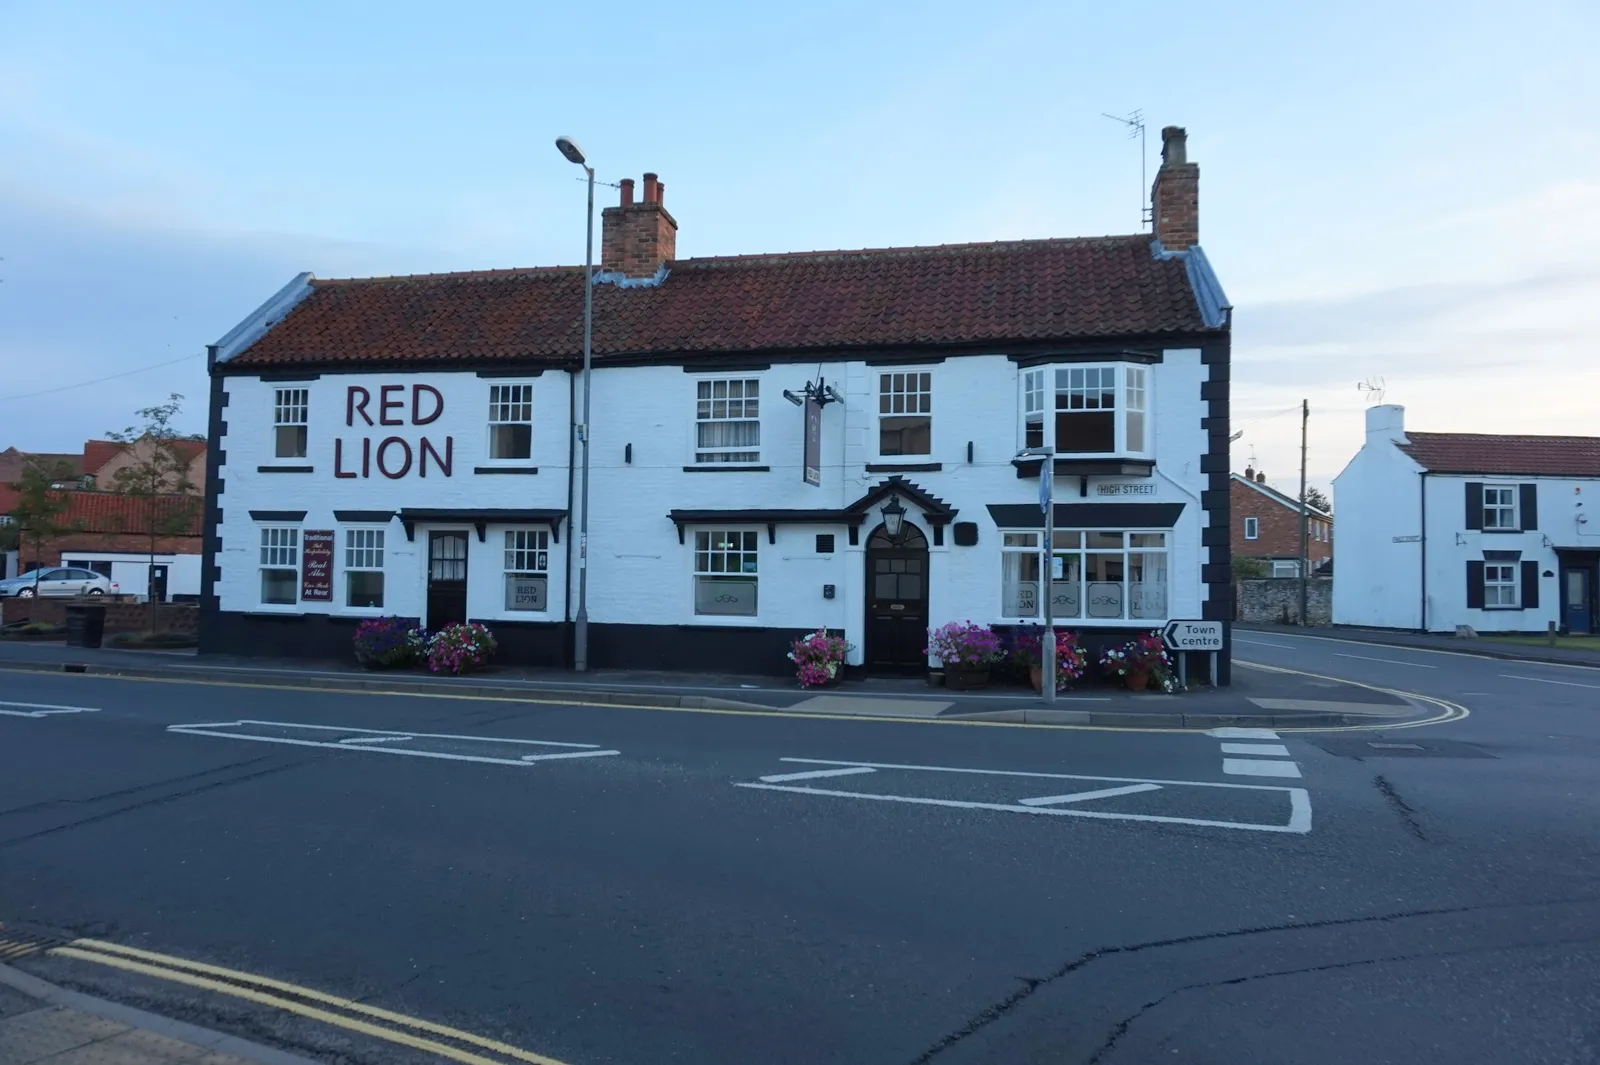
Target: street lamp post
1047,487
580,635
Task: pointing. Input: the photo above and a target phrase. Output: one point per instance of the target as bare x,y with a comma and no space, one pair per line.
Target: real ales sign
316,565
813,452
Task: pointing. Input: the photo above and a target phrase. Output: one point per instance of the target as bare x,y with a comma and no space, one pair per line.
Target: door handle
897,606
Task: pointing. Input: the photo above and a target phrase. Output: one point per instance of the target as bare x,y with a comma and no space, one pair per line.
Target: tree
39,515
1315,498
157,479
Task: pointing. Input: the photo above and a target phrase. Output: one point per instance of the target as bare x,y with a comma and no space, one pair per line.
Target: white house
1438,530
778,443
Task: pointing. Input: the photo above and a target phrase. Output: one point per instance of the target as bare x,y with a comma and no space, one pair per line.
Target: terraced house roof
955,295
1533,456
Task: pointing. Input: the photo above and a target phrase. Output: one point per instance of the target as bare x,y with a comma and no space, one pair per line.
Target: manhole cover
1397,746
1356,747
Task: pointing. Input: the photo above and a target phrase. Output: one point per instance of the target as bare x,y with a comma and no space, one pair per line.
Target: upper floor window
1095,410
1500,506
510,421
289,409
1252,528
905,413
728,421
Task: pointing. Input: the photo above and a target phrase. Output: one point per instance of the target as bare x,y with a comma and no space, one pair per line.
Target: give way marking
452,747
1201,793
44,709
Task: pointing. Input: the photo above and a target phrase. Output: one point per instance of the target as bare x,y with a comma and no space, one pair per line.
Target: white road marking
45,709
577,750
1391,661
1251,767
1299,799
376,739
1242,733
815,773
1265,750
1546,680
1081,796
1265,643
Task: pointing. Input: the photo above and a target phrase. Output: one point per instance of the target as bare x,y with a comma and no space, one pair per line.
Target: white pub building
778,443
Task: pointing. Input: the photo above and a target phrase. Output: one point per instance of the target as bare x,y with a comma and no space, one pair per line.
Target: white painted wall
131,571
8,565
640,572
1377,582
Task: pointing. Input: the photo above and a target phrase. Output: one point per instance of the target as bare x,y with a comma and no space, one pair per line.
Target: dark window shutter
1475,505
1530,584
1529,498
1475,584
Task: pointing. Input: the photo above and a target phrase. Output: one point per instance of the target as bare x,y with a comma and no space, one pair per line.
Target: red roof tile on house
1532,456
112,512
1036,290
96,453
13,462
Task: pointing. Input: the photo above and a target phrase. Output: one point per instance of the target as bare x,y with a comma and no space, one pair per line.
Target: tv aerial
1374,389
1134,121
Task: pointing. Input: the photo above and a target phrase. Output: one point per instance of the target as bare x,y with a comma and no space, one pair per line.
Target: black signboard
813,455
316,565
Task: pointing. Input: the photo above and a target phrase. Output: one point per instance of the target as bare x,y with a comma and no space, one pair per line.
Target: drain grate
15,943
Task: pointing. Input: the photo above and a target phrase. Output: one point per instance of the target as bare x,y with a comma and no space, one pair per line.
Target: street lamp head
570,149
894,517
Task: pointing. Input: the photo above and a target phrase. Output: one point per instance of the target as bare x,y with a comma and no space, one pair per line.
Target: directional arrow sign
1193,635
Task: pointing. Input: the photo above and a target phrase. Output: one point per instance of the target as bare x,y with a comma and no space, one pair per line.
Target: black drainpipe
1423,616
572,451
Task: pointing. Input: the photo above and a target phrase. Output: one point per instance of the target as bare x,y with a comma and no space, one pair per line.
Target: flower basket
461,648
1027,642
389,643
966,678
819,659
967,651
1139,663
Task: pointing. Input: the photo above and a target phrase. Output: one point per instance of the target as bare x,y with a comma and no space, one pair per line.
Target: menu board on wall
316,565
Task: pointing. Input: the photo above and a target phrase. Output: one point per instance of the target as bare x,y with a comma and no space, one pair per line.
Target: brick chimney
1175,196
636,238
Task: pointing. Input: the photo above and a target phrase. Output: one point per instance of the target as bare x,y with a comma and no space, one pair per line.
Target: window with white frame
905,413
527,566
510,421
289,410
1096,410
1500,507
727,421
1500,585
1252,528
280,566
725,572
363,567
1094,574
1286,567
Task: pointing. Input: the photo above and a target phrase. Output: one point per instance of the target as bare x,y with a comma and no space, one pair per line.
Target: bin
86,625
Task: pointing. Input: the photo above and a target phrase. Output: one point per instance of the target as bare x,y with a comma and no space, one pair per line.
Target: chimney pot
627,192
1174,146
661,193
650,193
1261,477
1249,473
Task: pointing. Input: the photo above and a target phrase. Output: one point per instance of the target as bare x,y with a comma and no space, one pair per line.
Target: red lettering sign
395,455
352,407
385,405
416,404
383,467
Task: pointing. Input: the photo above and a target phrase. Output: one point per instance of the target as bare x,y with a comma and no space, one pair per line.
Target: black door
897,602
447,579
1577,599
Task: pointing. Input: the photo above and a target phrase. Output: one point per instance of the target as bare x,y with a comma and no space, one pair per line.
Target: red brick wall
122,615
1175,195
636,238
1279,528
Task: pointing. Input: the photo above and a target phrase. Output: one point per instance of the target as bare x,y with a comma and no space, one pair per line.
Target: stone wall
1276,600
122,614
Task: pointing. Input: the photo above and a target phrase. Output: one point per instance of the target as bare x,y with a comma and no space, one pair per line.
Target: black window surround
1088,515
277,515
480,519
934,510
286,469
506,469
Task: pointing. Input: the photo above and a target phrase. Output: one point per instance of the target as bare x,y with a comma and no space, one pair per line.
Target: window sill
1497,532
286,469
505,469
727,468
904,467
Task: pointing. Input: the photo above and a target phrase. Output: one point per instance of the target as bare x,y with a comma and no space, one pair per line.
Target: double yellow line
447,1042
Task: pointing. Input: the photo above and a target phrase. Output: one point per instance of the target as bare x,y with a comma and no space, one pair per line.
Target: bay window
1087,410
1094,575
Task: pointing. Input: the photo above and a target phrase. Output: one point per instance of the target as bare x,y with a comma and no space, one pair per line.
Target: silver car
61,581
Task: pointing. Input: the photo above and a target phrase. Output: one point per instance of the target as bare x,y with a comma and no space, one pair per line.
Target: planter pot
1137,681
935,678
1036,677
968,678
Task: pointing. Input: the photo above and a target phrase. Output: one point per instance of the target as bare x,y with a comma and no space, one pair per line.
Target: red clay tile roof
96,453
1549,456
12,463
112,512
1037,290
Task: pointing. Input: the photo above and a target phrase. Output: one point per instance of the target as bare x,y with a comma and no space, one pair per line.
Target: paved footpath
41,1024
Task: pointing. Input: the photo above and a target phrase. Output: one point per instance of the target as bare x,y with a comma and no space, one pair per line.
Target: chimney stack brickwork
1175,196
637,238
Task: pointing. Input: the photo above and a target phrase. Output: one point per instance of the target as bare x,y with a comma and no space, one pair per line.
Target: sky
1399,193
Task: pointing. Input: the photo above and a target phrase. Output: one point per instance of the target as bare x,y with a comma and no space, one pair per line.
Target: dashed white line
816,773
1391,661
1252,767
44,709
1083,796
1263,750
1547,680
